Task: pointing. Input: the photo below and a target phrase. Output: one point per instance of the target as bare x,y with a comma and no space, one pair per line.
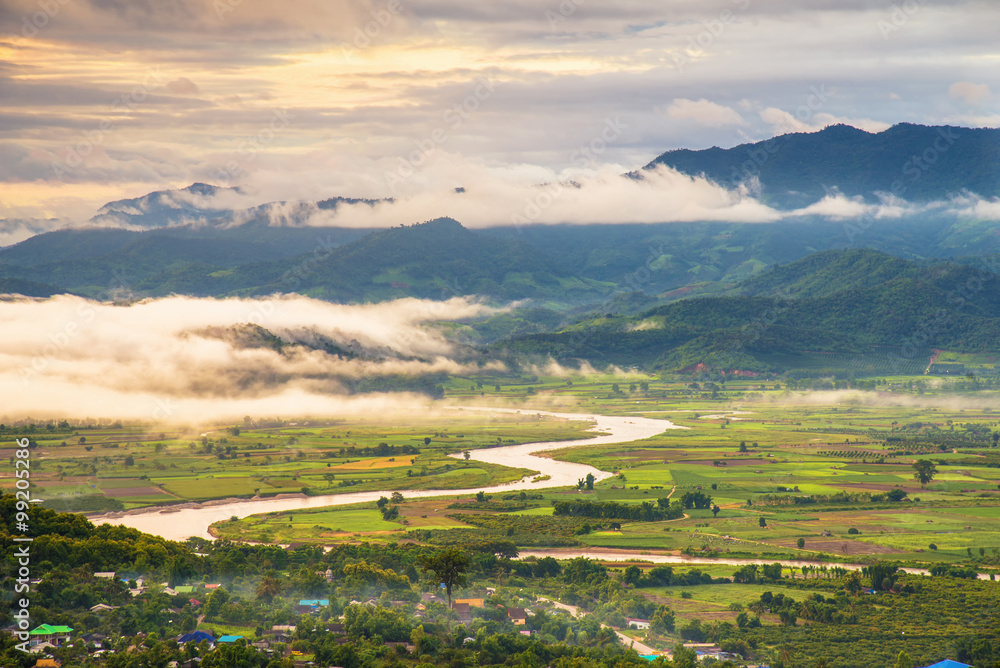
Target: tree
449,567
743,446
852,583
715,511
467,455
903,661
662,621
632,575
590,481
800,543
269,587
427,440
397,497
762,522
924,471
213,604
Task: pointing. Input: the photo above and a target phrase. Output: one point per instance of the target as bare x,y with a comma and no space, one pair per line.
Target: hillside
823,307
800,168
438,259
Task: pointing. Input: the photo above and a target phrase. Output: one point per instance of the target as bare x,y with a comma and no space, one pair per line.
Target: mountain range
670,296
917,163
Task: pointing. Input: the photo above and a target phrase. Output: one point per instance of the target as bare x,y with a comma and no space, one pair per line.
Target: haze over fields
485,190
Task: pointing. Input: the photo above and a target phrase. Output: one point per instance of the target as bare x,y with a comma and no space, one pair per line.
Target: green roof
184,589
46,630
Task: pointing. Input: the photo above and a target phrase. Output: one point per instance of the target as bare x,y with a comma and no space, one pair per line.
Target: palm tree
270,587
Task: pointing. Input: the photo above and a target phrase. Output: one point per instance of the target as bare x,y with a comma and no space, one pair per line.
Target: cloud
379,83
603,196
67,356
968,92
703,112
783,122
182,86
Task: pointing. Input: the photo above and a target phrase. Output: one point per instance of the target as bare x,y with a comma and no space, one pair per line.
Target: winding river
194,519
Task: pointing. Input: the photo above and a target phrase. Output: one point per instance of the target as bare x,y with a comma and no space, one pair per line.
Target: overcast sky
306,99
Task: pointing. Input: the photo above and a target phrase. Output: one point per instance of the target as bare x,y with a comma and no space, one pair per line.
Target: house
314,602
47,663
463,610
184,589
308,605
196,637
54,635
948,663
95,639
405,645
473,602
431,598
281,633
210,587
194,602
103,607
229,639
110,575
518,616
637,624
715,654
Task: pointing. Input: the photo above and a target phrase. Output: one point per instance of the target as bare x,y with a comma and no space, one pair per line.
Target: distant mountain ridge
914,162
797,315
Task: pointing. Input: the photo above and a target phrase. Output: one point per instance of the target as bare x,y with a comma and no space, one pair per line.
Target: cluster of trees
664,576
642,512
892,496
381,450
752,573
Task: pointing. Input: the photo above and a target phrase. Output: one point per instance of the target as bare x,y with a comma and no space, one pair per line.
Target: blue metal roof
948,663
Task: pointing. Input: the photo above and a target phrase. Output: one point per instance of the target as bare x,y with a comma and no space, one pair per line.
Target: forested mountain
804,314
915,162
564,265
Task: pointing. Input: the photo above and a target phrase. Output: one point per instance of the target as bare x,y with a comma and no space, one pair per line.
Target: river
194,519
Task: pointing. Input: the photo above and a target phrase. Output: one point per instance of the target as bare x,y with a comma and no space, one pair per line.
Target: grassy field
139,467
753,446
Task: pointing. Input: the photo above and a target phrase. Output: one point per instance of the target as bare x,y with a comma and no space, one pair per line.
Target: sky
309,99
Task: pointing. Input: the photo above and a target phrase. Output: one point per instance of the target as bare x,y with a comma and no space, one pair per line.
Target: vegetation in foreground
378,605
